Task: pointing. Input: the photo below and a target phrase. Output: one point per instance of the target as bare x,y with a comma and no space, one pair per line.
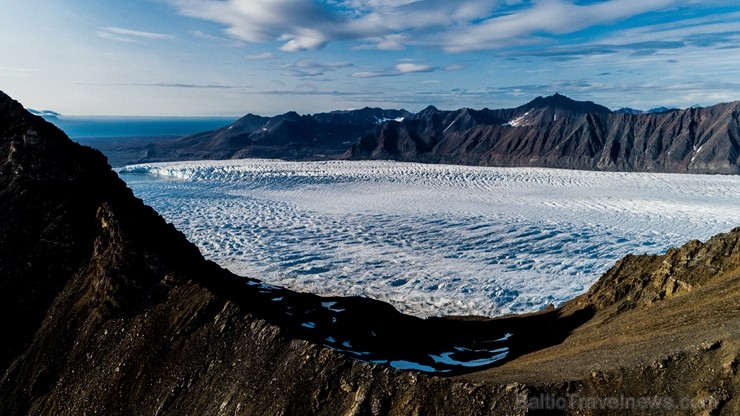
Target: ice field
431,239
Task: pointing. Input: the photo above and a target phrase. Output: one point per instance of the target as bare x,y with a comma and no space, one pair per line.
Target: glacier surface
431,239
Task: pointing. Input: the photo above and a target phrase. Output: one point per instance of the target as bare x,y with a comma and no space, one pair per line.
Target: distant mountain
288,136
656,110
543,110
560,133
628,110
554,131
110,310
660,110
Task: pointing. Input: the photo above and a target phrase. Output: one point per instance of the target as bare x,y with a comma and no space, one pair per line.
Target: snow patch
379,120
453,123
330,306
492,357
519,121
411,365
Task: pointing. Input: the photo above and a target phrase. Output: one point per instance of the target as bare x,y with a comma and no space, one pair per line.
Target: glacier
431,239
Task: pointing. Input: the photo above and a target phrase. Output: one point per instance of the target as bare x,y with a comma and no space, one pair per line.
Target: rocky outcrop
109,310
640,281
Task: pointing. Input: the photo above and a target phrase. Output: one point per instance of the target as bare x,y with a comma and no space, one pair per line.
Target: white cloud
553,17
127,35
303,40
308,63
455,26
370,74
305,68
385,43
293,22
398,70
407,68
714,25
309,24
203,35
219,39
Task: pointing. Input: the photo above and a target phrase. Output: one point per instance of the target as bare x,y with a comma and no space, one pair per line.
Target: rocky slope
561,133
112,311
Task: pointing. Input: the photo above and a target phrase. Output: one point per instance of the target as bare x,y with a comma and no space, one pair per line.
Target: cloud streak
453,26
292,22
398,70
547,17
173,85
130,36
307,68
200,56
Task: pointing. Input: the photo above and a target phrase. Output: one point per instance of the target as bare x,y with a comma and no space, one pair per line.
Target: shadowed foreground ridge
112,311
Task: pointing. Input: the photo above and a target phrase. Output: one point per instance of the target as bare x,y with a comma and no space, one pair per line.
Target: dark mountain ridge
110,310
288,136
695,140
554,131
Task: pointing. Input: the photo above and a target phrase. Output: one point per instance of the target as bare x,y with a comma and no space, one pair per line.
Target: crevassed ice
431,239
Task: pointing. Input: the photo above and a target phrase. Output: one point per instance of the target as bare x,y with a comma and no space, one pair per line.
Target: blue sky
232,57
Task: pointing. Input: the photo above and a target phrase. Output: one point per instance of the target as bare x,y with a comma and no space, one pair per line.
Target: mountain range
558,132
285,136
554,131
110,310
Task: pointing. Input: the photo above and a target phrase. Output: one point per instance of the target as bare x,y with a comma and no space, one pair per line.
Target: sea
86,127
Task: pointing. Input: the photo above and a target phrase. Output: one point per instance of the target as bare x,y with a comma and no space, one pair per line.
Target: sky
233,57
